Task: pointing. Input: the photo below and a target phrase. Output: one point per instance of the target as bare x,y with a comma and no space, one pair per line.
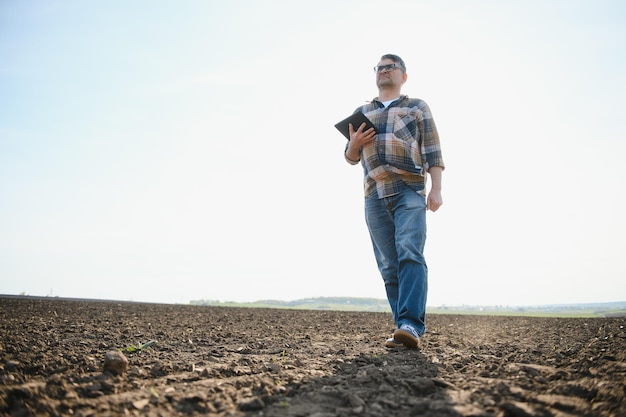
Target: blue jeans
397,226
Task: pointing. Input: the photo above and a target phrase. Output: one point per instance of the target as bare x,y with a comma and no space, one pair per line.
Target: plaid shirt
405,148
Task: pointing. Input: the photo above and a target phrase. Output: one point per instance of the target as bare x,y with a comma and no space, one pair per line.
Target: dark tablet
357,120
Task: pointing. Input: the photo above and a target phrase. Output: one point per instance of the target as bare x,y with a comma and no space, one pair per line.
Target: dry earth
225,361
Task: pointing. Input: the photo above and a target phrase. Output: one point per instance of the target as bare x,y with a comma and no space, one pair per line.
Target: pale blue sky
172,151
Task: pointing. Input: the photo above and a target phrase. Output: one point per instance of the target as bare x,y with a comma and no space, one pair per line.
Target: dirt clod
115,362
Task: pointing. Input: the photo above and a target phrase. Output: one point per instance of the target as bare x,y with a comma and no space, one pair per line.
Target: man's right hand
358,139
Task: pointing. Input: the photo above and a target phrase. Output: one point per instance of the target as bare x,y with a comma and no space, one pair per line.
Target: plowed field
227,361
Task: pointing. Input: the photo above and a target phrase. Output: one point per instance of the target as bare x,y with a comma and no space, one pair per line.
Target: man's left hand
434,200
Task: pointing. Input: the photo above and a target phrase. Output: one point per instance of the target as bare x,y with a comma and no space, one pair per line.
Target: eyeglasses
385,68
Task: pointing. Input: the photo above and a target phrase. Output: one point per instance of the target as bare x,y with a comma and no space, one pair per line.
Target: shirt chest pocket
405,126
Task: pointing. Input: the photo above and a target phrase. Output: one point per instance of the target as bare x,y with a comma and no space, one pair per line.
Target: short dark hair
396,59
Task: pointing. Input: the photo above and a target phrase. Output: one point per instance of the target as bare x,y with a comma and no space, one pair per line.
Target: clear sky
172,151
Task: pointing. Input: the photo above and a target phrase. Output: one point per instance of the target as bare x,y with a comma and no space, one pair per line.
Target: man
396,162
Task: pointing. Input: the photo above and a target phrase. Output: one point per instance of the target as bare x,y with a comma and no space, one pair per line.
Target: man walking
396,162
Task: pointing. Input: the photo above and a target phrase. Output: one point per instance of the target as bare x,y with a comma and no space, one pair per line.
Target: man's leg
379,219
410,237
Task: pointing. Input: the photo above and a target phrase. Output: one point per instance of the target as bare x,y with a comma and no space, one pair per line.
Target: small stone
141,404
115,362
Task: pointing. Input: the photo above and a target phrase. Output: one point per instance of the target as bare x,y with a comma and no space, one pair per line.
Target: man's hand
434,200
358,138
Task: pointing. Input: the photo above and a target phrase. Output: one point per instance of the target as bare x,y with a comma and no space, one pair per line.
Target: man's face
388,78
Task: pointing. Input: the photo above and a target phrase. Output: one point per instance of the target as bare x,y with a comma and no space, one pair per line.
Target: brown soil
251,362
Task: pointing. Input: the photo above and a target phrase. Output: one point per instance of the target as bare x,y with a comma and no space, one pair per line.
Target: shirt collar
402,97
